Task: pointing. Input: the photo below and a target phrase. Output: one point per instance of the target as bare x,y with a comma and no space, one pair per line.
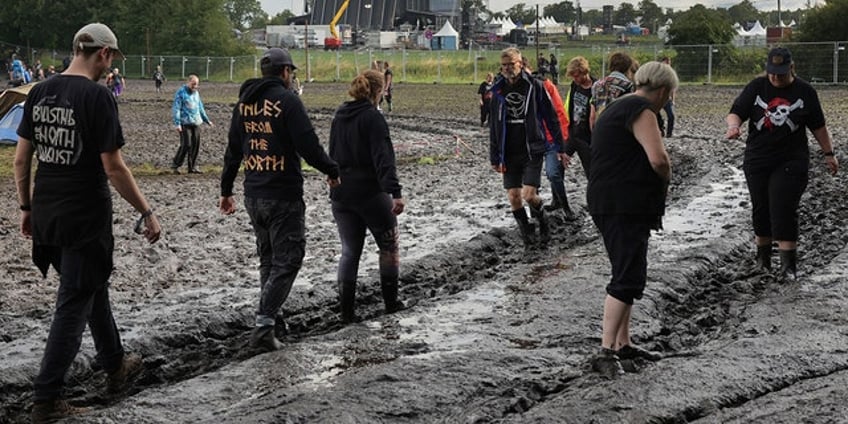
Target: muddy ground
495,335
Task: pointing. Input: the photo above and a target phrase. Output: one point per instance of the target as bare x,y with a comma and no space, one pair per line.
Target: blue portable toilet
445,39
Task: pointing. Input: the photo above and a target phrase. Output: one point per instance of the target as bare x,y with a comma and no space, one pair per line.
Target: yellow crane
335,42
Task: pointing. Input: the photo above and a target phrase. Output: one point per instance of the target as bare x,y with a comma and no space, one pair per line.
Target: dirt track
496,335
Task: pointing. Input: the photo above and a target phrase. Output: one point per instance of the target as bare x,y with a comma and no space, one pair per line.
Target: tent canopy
9,124
446,31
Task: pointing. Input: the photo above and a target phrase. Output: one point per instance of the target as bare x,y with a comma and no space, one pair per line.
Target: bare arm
734,123
822,135
124,182
592,117
23,182
647,132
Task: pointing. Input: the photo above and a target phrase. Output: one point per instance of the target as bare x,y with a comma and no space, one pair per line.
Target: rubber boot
389,285
527,229
788,264
764,257
347,301
544,229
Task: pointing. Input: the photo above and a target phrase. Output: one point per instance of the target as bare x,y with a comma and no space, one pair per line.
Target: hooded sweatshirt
360,143
270,131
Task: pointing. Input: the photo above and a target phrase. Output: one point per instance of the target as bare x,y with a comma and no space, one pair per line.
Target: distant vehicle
335,42
518,37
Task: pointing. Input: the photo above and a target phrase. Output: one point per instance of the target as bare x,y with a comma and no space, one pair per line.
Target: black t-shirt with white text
516,114
70,120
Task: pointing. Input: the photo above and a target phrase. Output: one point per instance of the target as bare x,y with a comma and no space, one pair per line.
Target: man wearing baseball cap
270,131
779,108
71,122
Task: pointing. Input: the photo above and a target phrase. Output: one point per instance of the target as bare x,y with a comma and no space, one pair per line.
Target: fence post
232,63
142,66
403,61
836,49
338,70
710,64
182,74
439,67
476,55
208,61
255,61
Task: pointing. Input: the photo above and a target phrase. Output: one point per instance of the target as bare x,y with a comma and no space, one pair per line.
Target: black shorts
522,170
626,240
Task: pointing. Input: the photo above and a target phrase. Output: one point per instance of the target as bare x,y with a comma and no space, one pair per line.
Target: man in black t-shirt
71,123
577,106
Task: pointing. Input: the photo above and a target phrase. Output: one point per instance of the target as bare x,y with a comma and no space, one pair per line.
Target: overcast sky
272,7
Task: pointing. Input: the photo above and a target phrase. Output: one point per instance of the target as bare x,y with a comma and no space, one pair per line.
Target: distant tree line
186,27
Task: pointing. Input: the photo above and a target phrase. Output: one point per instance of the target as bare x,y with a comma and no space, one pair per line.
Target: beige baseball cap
97,35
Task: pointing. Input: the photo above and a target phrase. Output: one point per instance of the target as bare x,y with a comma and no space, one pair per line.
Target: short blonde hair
577,64
655,75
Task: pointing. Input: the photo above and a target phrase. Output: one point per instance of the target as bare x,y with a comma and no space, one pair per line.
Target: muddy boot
53,410
527,229
390,295
607,363
554,205
764,257
544,229
347,301
788,264
120,379
263,338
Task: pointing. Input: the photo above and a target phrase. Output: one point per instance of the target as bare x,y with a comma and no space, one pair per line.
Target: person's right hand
152,229
733,132
334,182
500,168
26,224
179,128
227,205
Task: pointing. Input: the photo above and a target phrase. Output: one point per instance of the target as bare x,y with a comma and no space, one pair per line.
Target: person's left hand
398,206
334,182
565,159
832,164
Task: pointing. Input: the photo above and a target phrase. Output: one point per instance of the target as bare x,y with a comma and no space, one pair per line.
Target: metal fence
710,64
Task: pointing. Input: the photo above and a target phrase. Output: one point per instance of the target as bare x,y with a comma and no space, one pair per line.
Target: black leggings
775,196
374,214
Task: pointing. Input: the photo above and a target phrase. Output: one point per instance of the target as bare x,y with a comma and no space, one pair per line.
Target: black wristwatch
830,153
26,208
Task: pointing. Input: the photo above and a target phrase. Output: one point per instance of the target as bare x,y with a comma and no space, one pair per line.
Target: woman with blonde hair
369,197
626,195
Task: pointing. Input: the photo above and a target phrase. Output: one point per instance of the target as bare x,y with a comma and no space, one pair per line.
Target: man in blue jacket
521,117
188,114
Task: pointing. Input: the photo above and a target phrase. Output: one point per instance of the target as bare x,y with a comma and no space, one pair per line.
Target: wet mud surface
496,334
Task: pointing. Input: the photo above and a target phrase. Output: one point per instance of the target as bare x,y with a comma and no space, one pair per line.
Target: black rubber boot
263,338
544,229
390,294
347,301
788,264
527,229
764,257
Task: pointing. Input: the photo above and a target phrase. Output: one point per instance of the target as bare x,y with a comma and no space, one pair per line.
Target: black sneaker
636,352
120,379
607,363
263,338
53,410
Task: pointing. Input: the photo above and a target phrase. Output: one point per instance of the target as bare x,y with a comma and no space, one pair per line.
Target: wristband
146,213
830,153
26,208
139,225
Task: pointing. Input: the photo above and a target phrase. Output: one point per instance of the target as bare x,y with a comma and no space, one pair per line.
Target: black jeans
280,231
374,214
584,151
189,146
626,240
83,298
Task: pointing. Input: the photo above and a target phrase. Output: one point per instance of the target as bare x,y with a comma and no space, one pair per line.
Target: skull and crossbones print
776,112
